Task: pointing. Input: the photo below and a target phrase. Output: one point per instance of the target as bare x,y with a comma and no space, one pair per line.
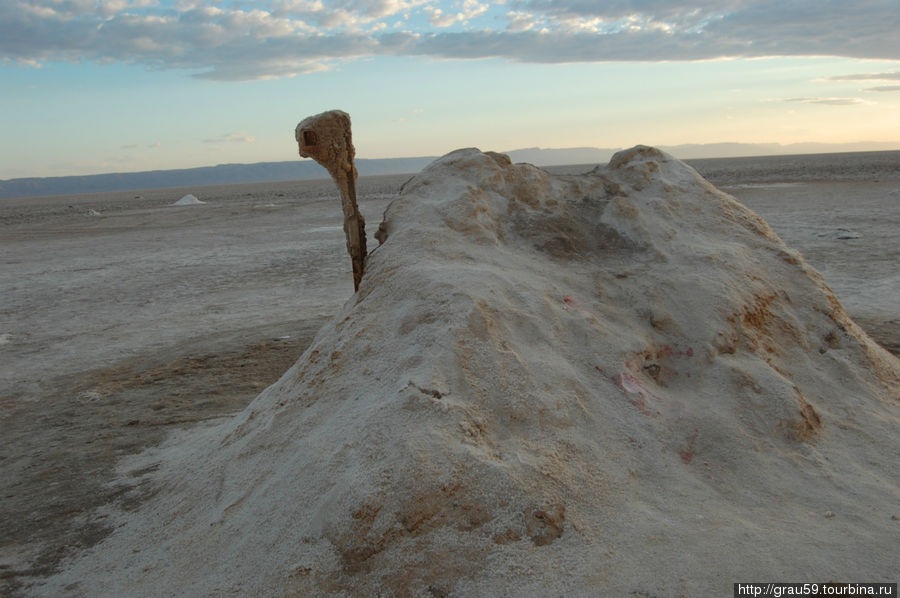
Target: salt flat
848,231
119,312
123,316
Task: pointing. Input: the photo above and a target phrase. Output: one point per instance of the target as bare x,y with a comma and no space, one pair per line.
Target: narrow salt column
326,138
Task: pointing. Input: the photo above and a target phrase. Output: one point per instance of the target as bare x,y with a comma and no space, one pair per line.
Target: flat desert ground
124,317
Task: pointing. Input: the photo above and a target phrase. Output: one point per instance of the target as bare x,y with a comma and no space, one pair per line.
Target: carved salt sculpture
326,138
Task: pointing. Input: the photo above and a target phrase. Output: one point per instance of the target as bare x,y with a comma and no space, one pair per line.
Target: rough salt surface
620,383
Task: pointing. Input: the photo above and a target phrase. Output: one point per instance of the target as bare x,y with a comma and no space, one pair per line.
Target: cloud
438,18
827,101
521,21
895,76
467,10
342,14
279,38
230,138
135,146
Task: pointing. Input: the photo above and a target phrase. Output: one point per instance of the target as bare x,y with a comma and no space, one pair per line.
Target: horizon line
667,148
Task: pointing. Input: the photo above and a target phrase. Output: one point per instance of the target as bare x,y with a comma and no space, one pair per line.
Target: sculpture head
325,138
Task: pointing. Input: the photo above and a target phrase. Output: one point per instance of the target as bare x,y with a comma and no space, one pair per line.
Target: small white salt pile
188,200
615,384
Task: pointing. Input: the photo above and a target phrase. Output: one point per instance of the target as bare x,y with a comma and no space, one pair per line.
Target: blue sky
89,86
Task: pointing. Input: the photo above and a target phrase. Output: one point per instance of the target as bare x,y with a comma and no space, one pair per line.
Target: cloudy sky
90,86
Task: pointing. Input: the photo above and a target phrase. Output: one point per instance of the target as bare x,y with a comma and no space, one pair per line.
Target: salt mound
620,383
188,200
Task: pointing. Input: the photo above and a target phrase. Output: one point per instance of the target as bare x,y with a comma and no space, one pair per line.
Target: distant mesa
188,200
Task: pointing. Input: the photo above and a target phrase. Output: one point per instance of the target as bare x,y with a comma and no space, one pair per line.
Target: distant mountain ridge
223,174
226,174
694,151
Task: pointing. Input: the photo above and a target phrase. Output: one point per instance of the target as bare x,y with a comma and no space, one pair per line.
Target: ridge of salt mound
188,200
609,384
